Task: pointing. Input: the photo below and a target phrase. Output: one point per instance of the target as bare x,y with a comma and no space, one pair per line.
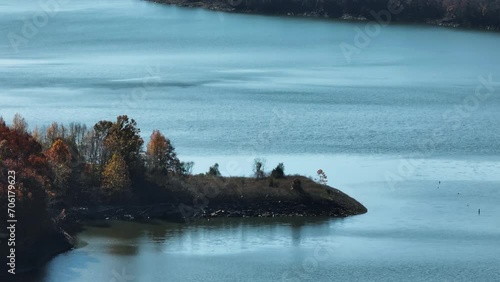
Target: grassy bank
205,196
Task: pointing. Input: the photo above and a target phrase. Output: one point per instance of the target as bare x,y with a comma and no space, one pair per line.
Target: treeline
467,13
73,165
78,165
45,172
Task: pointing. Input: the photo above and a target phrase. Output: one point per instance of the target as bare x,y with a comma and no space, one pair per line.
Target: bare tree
19,124
258,168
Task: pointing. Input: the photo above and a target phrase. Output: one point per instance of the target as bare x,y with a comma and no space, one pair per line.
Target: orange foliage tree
22,154
161,154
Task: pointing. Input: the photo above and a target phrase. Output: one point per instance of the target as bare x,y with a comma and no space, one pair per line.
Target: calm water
229,88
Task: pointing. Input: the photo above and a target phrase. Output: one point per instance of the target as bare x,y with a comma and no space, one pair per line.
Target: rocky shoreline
228,197
172,212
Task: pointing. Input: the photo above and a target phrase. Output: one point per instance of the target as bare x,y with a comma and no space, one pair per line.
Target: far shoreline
222,6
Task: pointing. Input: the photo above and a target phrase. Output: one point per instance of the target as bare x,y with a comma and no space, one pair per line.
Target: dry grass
250,190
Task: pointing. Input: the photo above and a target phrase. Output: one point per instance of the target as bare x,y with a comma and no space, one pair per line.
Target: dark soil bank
206,197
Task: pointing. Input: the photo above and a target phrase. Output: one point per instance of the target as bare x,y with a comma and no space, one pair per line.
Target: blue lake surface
387,125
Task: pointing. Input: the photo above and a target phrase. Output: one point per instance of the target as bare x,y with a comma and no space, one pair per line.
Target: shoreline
225,7
169,212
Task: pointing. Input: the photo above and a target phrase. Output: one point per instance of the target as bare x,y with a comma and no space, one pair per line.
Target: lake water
387,126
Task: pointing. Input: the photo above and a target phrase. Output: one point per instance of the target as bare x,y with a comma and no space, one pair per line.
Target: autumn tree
124,139
95,151
37,134
59,153
21,158
76,141
53,132
77,133
161,155
59,158
19,124
115,178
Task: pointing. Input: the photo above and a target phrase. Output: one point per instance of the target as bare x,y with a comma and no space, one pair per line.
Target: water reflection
122,250
208,236
117,245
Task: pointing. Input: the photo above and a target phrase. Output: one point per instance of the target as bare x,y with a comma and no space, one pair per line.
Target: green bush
279,171
214,170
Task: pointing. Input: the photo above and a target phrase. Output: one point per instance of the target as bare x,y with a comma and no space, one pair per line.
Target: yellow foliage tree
115,177
59,158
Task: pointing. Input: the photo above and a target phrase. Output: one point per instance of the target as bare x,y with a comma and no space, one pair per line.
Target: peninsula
65,175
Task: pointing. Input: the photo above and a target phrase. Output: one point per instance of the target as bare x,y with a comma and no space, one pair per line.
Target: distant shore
362,12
